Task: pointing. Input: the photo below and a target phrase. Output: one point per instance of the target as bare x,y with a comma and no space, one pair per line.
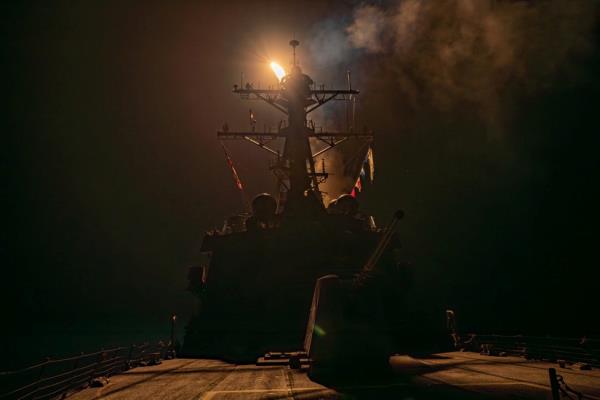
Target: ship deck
454,375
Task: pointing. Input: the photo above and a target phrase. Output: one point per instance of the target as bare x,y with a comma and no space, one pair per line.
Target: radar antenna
296,97
294,43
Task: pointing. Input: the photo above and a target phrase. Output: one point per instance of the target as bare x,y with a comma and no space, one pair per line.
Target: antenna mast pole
294,43
295,168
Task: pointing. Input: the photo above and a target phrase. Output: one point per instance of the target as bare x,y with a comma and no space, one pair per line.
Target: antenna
296,169
348,126
349,80
294,43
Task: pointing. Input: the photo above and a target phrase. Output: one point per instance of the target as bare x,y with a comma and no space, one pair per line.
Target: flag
371,162
358,184
236,178
357,187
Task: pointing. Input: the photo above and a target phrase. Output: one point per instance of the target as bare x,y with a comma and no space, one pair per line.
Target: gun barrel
383,243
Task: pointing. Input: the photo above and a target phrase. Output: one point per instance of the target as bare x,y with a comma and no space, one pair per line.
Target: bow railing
53,378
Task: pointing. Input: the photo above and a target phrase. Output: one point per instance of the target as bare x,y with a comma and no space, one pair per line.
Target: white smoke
467,56
367,29
469,50
328,46
456,53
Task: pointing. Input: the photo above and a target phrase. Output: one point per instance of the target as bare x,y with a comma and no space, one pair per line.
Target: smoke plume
451,53
455,51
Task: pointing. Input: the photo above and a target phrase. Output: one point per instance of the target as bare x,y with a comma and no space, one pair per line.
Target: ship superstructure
297,169
256,277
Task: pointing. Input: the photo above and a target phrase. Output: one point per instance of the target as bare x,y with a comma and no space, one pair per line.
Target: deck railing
54,378
568,350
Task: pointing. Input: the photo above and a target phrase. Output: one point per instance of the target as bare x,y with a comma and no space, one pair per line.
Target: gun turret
345,325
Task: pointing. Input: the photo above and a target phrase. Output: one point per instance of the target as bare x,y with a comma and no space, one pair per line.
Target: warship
263,277
302,297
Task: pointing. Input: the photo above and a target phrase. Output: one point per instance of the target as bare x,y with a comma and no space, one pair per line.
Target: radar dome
264,207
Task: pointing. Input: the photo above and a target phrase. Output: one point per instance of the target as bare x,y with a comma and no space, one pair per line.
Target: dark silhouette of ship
257,278
302,280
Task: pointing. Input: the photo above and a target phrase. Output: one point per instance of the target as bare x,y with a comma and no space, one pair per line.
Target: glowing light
278,69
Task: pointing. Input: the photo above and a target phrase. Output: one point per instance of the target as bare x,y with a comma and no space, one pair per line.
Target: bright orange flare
278,69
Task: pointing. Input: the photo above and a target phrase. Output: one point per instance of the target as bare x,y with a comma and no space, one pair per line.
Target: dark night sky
112,171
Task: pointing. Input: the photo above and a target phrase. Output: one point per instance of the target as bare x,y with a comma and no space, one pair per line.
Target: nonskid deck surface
496,377
447,375
205,379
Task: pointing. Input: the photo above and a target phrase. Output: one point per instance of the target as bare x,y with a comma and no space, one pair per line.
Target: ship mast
295,169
